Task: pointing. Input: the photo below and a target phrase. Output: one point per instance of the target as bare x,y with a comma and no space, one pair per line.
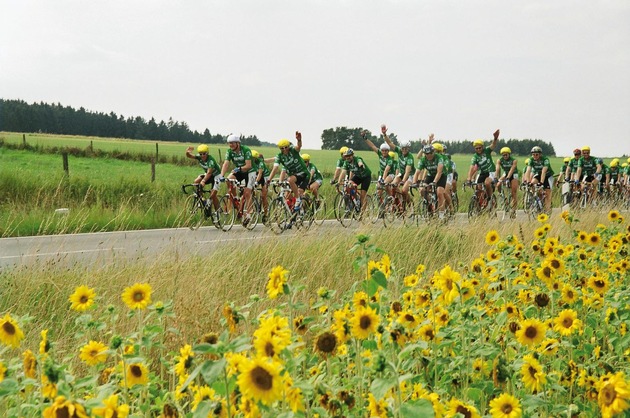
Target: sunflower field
534,327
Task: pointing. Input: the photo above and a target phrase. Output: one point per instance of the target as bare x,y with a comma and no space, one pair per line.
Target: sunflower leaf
8,387
210,370
381,386
379,277
417,408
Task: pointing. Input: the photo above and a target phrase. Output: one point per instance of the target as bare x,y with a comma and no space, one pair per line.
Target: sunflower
29,364
277,282
594,238
82,299
569,294
386,265
200,394
260,380
582,236
136,374
533,376
555,263
411,280
137,296
377,408
566,322
111,408
614,395
268,345
492,237
326,343
506,405
184,361
446,280
493,255
360,299
231,317
64,408
477,265
364,322
599,284
613,215
408,319
531,333
455,406
3,371
481,367
549,347
420,268
93,353
540,233
10,333
426,332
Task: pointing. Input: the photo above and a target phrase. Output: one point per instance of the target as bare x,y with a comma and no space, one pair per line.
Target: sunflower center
269,351
261,378
62,412
599,283
138,296
135,370
83,299
608,394
567,322
464,411
506,408
532,371
531,332
8,328
327,342
555,264
365,322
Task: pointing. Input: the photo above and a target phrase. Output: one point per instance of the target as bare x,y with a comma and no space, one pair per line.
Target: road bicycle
480,203
533,199
230,208
320,208
283,213
504,193
394,207
198,206
348,206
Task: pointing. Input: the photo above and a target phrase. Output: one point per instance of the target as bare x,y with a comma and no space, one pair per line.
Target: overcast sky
553,70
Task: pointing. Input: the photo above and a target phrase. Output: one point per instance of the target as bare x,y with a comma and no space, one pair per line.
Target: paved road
107,247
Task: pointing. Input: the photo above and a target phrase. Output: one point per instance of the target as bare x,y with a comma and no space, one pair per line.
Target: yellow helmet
586,148
342,150
526,161
506,150
628,161
566,159
255,153
438,147
203,148
393,155
306,157
624,165
614,162
283,143
478,143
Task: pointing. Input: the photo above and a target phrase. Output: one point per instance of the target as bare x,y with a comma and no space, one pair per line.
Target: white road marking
8,257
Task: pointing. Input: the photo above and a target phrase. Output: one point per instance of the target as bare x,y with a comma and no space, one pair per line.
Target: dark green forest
19,116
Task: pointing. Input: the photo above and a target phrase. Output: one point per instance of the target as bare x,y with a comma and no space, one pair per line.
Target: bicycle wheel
194,215
321,211
225,214
491,209
409,214
306,214
422,211
389,211
338,197
279,216
473,208
345,211
455,202
254,215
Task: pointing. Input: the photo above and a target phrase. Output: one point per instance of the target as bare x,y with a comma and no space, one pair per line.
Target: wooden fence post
152,169
24,140
64,157
92,146
156,151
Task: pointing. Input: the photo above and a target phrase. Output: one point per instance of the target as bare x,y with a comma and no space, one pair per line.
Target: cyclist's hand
202,182
333,182
236,170
566,180
221,179
432,184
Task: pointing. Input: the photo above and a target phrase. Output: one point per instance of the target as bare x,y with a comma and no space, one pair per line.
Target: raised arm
387,140
370,143
298,137
495,139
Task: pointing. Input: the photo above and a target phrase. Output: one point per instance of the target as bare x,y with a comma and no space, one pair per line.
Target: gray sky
554,70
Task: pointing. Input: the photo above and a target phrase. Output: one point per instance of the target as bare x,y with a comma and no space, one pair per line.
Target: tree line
335,138
20,116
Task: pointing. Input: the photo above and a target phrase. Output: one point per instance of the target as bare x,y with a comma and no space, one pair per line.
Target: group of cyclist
398,171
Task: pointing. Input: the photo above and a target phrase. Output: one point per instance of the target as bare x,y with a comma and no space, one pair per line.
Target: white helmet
384,147
405,144
233,138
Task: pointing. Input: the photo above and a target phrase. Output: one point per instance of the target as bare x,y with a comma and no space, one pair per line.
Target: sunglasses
535,153
478,147
203,153
577,154
284,147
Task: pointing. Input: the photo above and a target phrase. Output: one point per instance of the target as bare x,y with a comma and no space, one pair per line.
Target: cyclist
315,177
358,173
453,170
386,169
406,163
262,175
297,172
430,170
614,173
448,172
339,165
241,157
539,171
482,161
508,165
210,167
569,172
589,170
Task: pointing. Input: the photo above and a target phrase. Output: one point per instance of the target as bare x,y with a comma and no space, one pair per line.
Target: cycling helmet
203,148
586,148
577,151
283,143
624,165
628,161
428,149
438,147
614,162
444,146
393,155
343,149
348,152
536,149
527,161
255,153
306,157
384,147
566,160
506,150
478,143
405,144
233,138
